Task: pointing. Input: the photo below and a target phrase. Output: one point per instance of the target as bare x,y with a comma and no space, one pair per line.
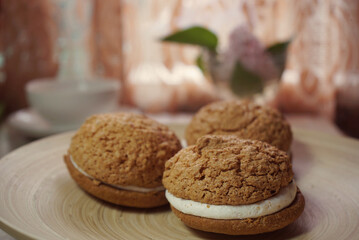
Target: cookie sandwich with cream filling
225,184
120,158
244,119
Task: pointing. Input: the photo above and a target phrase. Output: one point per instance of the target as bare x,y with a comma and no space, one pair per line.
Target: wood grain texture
39,200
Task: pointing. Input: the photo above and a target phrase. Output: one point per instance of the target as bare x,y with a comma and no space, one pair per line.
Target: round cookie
120,158
244,119
225,171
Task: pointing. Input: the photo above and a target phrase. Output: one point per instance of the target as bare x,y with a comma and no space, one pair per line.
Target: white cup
71,102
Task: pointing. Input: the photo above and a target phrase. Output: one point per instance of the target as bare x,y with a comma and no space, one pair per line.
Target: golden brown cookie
227,170
224,170
116,156
244,119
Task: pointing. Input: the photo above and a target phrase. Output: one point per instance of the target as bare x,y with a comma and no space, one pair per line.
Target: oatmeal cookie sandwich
244,119
224,184
120,158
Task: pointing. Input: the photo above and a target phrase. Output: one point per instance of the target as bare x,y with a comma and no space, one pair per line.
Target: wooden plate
39,200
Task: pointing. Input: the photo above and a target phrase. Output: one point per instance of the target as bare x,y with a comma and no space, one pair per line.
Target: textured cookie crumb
124,149
243,119
227,170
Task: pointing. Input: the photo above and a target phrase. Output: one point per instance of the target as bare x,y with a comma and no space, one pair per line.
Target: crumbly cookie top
226,170
124,149
243,119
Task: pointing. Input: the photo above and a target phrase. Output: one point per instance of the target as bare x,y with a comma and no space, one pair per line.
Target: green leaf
200,63
278,53
245,83
278,47
194,35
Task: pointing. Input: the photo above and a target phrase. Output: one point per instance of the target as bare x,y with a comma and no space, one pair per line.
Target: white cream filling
128,188
268,206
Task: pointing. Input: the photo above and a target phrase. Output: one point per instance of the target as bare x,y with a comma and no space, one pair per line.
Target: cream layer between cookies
128,188
268,206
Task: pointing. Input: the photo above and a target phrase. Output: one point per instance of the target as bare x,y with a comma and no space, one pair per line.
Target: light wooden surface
11,139
38,199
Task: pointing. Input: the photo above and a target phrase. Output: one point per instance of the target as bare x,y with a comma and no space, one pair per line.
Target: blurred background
122,41
62,60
